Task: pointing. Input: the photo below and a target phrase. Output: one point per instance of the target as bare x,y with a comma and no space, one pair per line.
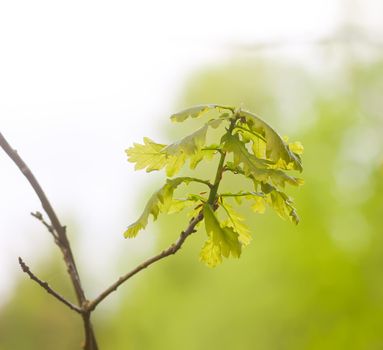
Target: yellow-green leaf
147,156
174,164
225,238
276,149
189,145
178,205
211,254
253,166
283,205
259,205
296,147
197,111
235,221
160,201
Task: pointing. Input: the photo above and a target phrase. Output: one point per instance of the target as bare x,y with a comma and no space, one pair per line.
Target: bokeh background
82,81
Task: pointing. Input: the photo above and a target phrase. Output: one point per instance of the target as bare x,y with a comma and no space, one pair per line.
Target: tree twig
55,223
46,286
62,239
50,229
172,249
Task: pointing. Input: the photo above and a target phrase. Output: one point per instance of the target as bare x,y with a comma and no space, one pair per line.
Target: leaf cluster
249,147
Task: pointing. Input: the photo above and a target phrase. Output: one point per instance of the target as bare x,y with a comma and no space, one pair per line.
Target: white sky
81,80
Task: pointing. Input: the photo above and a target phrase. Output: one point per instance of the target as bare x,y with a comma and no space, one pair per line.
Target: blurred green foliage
315,286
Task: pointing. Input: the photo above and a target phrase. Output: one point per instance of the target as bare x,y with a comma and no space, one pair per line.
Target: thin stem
218,177
50,229
217,149
46,286
172,249
221,166
241,194
205,182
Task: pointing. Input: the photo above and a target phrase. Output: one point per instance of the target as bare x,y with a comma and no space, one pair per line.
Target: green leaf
147,156
235,221
258,141
178,205
232,143
259,205
276,148
174,164
161,201
283,205
296,147
211,254
206,154
252,166
189,145
224,239
197,111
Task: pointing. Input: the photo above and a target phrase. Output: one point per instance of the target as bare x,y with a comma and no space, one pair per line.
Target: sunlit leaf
258,153
259,205
232,143
160,201
147,156
225,239
174,164
276,149
197,111
206,154
188,145
283,205
296,147
211,254
253,166
178,205
235,221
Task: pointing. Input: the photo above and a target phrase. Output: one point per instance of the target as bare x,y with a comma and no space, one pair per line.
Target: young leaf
206,154
147,156
276,148
211,254
252,166
235,221
178,205
259,205
224,239
232,144
160,201
197,111
258,141
259,153
283,205
189,145
174,164
296,147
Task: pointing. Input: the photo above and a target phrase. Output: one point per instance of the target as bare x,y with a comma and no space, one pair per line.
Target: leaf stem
221,166
241,194
251,132
205,182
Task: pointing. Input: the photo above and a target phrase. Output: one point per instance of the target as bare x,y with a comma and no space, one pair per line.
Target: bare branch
55,223
50,229
61,240
172,249
46,286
